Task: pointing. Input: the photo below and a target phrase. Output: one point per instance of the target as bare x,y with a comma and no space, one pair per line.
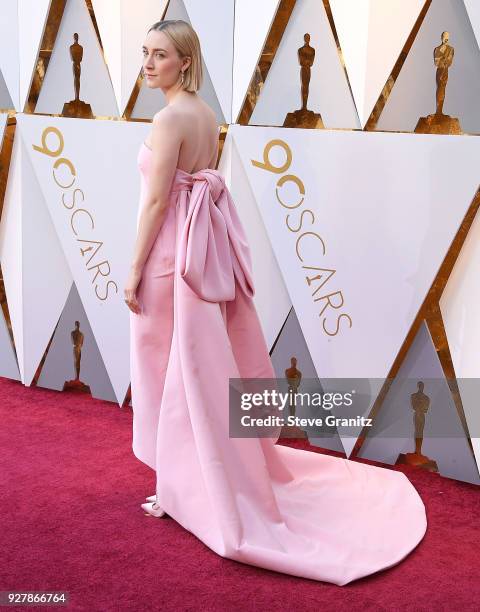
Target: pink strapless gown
248,499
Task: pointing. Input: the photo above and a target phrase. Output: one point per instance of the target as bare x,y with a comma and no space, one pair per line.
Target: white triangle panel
393,430
473,10
214,23
43,265
32,16
11,246
95,85
59,366
413,95
372,34
460,313
99,256
9,59
123,26
31,260
8,361
6,102
252,24
329,93
22,23
108,16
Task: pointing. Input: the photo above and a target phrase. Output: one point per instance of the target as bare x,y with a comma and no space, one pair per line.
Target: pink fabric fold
213,248
248,499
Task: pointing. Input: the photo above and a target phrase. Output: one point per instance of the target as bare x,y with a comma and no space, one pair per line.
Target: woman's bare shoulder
165,121
165,113
182,118
196,110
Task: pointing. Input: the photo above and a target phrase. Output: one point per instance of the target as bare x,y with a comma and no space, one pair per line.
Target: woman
193,327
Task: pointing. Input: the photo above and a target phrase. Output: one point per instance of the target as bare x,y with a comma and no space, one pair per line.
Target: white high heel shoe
153,508
152,498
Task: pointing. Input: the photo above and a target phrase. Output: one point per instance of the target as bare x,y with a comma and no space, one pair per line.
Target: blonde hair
186,42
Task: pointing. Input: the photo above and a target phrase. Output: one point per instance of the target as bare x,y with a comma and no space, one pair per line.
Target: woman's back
199,130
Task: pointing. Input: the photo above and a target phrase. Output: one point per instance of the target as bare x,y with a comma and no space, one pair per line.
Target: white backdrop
378,210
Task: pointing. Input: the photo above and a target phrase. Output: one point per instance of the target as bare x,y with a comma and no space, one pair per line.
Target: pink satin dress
248,499
151,332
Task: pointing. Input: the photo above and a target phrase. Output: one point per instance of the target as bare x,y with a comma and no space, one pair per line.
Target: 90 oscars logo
88,247
331,301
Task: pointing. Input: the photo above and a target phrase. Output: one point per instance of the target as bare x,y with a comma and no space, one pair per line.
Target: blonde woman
193,327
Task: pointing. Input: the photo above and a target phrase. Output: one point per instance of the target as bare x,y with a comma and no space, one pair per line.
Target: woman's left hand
130,290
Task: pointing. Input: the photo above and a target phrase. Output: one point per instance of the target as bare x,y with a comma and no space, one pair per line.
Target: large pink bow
213,250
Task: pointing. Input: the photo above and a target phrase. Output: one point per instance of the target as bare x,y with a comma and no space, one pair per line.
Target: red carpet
71,521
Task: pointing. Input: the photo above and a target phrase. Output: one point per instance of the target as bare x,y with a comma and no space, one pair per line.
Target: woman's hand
131,288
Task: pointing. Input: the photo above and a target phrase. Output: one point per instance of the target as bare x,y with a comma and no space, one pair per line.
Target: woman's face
161,64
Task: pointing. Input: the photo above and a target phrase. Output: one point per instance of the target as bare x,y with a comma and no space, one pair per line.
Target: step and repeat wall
349,141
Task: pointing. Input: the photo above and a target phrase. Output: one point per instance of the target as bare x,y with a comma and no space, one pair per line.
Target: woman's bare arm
166,141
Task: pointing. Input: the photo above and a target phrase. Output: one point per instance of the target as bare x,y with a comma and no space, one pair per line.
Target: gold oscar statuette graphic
303,117
420,403
77,338
76,107
293,376
438,123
